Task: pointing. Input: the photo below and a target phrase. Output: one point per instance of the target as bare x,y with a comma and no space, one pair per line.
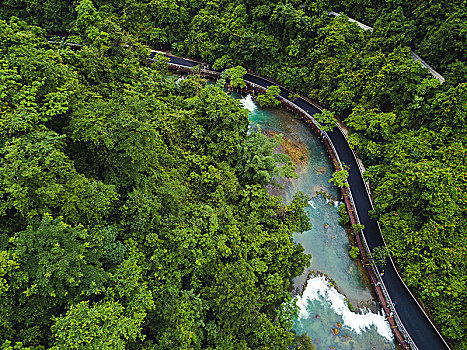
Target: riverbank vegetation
408,128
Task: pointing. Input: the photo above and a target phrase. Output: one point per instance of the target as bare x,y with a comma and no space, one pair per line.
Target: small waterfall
319,289
248,103
328,244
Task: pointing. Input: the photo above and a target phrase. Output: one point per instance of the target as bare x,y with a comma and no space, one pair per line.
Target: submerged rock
292,146
321,170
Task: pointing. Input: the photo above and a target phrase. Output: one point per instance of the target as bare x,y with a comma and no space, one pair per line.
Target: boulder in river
321,170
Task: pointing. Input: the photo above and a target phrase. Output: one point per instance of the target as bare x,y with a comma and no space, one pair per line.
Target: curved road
418,325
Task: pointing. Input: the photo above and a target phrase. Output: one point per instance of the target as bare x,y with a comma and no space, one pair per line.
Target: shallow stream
324,310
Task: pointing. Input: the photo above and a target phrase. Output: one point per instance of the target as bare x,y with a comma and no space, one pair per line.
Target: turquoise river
324,308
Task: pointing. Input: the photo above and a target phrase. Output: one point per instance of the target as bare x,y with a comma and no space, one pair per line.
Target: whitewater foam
248,103
319,288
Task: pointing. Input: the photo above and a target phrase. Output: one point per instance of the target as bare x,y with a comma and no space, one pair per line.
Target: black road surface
415,321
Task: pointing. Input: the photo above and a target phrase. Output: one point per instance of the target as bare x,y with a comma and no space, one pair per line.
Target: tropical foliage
407,127
133,208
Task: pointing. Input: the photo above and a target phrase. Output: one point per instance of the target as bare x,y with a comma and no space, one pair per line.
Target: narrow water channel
333,280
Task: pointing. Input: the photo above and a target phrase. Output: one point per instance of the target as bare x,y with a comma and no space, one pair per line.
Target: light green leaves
270,99
326,120
259,162
102,326
236,76
339,178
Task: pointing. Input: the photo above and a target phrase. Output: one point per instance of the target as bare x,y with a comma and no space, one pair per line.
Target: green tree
222,63
270,99
380,254
7,345
326,120
236,76
339,177
354,252
88,20
57,266
258,162
357,228
102,326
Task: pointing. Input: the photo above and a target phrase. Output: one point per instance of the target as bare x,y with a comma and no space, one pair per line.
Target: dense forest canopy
133,208
90,141
436,30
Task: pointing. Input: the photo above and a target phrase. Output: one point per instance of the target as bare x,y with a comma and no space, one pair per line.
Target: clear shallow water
322,306
314,169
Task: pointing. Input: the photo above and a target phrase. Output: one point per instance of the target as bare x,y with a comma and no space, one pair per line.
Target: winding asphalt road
418,325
